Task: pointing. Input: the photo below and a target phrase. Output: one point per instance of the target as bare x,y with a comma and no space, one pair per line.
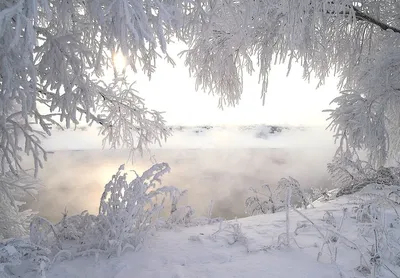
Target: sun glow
119,61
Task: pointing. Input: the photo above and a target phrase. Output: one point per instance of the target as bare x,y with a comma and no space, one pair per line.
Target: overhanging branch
364,17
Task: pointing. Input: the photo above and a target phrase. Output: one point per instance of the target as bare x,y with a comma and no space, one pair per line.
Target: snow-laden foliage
43,233
367,115
376,215
263,202
351,174
376,211
128,212
231,232
54,58
272,201
358,41
55,54
15,251
14,216
369,229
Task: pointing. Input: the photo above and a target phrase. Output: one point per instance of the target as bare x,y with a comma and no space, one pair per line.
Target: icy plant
14,191
74,227
14,252
280,199
127,211
287,186
332,238
232,232
351,174
43,233
179,215
322,194
373,227
185,215
375,214
55,55
272,201
263,202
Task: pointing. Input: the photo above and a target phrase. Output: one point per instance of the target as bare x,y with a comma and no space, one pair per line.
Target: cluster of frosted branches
272,201
53,57
263,202
127,210
351,174
14,252
55,53
357,40
14,191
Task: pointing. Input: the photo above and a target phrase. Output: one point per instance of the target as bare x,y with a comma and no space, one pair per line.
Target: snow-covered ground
208,251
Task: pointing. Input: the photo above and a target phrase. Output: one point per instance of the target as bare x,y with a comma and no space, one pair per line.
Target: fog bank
219,165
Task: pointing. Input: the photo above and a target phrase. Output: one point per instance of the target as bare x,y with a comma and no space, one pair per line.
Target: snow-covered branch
54,57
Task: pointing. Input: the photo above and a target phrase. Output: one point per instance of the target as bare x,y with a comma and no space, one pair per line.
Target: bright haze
217,155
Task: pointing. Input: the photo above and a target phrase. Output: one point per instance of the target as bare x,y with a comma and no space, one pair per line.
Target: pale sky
290,100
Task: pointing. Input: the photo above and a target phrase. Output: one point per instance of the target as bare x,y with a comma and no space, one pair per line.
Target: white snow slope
202,251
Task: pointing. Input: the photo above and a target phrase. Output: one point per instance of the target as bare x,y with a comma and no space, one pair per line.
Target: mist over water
75,179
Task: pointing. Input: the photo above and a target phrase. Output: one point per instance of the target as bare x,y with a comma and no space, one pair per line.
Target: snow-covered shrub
272,201
378,218
14,191
372,230
352,174
321,194
43,233
298,195
206,220
127,211
179,215
20,255
263,202
232,232
185,215
378,222
74,227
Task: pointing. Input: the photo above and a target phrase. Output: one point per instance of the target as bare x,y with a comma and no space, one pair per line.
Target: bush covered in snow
21,255
351,174
129,212
126,216
14,217
272,201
